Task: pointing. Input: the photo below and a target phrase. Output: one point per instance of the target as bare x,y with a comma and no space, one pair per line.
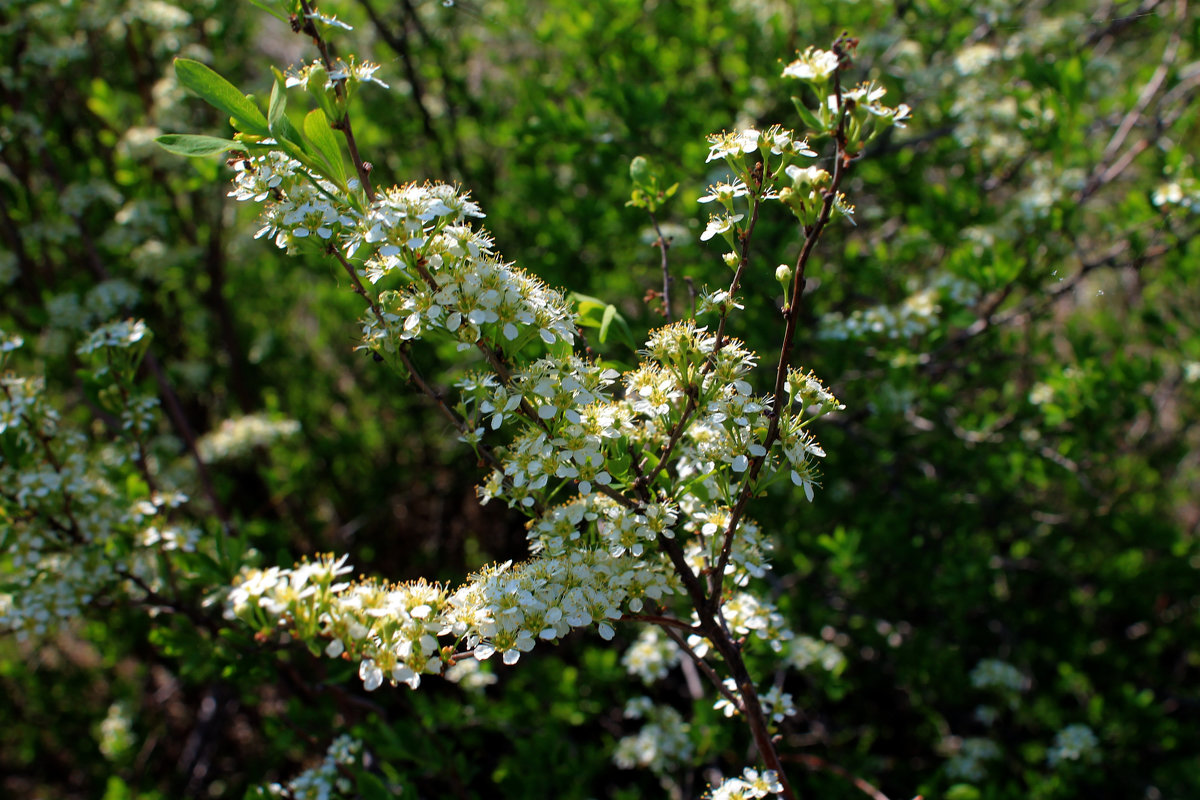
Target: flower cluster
350,71
970,762
651,656
1182,191
777,705
662,744
858,111
451,279
83,519
750,786
991,673
116,735
804,651
1074,743
913,316
238,437
400,632
326,780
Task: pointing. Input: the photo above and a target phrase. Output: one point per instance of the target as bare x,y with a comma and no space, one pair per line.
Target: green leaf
279,15
619,460
222,95
559,349
640,170
807,117
371,788
207,567
588,309
610,313
186,144
278,103
289,133
326,101
320,135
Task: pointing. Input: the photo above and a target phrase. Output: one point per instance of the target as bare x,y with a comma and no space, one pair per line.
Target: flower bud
783,274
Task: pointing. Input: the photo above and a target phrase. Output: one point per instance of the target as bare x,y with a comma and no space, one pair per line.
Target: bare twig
815,762
703,666
1106,170
663,245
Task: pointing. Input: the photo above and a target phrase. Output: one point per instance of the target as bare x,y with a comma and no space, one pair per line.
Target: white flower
371,675
813,65
724,145
725,193
720,225
1074,743
332,21
118,333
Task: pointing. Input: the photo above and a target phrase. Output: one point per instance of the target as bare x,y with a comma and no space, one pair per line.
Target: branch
815,762
666,270
703,666
792,317
339,87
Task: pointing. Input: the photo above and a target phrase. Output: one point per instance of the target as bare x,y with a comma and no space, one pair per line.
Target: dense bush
993,590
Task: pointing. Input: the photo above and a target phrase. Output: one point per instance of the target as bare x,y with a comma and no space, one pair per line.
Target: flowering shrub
636,486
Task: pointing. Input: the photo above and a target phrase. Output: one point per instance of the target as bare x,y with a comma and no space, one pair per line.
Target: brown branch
666,270
744,261
339,87
1105,172
815,762
356,283
703,666
792,317
676,434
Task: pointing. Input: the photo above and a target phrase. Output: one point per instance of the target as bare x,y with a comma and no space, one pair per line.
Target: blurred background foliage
1012,325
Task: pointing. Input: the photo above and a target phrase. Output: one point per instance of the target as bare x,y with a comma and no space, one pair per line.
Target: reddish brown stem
339,88
792,317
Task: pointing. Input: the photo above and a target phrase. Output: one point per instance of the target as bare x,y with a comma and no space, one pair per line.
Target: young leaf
624,332
808,118
285,131
222,95
274,12
278,103
320,135
326,101
588,309
186,144
610,313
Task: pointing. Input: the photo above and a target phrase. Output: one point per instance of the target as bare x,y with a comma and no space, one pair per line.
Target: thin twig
666,270
703,666
339,87
792,316
1105,172
815,762
357,284
414,375
744,261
